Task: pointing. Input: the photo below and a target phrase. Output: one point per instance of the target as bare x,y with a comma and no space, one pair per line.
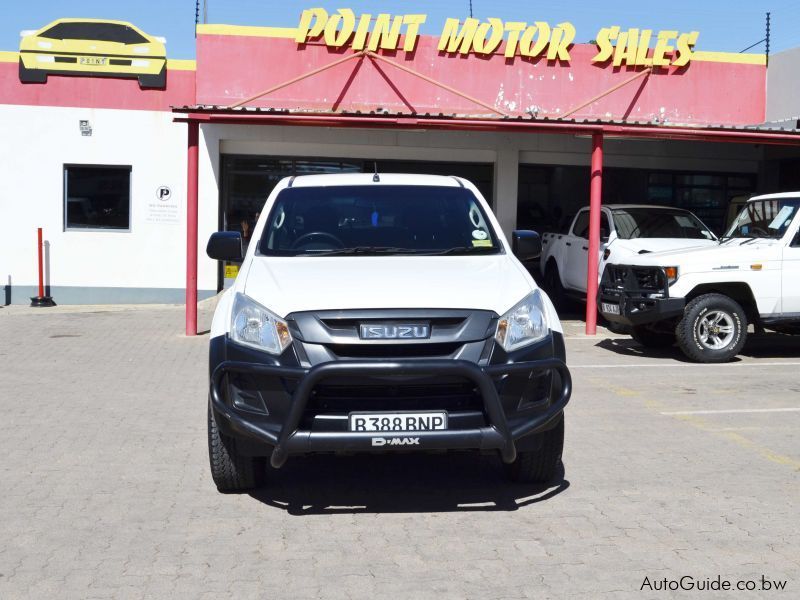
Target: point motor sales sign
539,39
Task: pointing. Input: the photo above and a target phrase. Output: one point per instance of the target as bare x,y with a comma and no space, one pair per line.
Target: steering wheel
319,234
759,232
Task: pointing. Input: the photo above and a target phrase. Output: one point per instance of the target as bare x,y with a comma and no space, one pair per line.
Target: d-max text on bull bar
382,313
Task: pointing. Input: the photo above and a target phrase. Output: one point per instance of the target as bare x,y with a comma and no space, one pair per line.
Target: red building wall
233,67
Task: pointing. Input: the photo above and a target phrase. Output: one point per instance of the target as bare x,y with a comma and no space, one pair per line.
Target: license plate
398,421
92,60
611,309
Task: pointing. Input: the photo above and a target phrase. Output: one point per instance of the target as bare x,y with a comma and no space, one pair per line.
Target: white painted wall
37,142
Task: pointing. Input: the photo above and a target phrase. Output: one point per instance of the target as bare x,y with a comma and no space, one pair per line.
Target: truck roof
647,206
775,196
336,179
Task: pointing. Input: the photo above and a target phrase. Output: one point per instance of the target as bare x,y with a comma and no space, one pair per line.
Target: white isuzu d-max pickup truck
377,313
704,298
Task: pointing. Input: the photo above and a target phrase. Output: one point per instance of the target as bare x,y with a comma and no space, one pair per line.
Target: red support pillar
191,229
595,202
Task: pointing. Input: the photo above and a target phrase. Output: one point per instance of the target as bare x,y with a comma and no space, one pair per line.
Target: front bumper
635,310
289,438
640,293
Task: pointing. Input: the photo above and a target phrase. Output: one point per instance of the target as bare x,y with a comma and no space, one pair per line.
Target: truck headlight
255,326
524,324
672,274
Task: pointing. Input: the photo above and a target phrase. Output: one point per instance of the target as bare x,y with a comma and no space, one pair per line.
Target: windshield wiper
363,250
463,250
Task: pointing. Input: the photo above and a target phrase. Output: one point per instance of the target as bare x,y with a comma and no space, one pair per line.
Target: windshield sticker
784,214
684,221
480,234
482,243
475,216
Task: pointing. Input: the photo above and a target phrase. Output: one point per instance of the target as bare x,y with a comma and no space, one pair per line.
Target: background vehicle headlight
255,326
672,274
524,324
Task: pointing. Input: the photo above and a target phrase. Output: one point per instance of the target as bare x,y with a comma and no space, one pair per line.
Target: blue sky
729,25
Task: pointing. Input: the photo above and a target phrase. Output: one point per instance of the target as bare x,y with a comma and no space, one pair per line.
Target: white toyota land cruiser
378,313
704,298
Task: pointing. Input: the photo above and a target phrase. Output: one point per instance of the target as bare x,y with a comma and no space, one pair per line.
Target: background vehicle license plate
398,421
612,309
92,60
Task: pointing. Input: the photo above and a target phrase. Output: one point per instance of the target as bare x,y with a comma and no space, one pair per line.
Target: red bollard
41,299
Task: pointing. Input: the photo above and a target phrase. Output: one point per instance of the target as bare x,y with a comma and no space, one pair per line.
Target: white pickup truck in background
705,298
626,230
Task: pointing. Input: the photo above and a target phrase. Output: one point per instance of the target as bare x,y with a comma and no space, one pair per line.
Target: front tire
231,471
542,465
713,329
652,339
552,284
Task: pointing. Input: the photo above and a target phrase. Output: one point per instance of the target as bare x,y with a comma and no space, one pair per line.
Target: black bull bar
496,436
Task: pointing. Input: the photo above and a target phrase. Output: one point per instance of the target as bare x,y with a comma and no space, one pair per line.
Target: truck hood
732,253
646,245
291,284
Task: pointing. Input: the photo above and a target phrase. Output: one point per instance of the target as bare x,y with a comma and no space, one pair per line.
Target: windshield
765,218
377,219
634,223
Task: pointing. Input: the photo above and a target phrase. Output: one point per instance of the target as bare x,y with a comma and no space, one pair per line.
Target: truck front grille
634,280
453,395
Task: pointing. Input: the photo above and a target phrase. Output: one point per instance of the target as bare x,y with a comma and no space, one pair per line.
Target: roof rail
458,179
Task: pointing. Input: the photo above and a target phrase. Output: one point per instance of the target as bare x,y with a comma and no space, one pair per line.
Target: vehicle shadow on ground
628,347
767,345
406,483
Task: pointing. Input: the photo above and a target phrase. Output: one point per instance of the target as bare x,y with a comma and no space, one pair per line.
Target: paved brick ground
105,490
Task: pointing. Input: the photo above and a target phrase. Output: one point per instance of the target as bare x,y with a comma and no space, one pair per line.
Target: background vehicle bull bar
496,435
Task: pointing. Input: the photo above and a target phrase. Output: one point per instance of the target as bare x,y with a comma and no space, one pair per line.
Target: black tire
158,81
31,75
231,471
652,339
542,465
719,345
552,284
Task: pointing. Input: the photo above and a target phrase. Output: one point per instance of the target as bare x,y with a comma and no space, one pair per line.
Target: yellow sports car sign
92,47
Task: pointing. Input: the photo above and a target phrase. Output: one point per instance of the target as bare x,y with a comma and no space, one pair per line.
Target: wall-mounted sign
530,40
164,209
92,47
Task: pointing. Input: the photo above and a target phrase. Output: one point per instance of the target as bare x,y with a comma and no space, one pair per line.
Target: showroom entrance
247,181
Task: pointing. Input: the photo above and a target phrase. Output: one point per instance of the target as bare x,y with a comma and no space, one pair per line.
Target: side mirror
225,245
526,245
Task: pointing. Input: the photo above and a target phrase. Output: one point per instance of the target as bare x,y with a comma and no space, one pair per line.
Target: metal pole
275,88
595,202
41,299
767,39
191,228
41,264
571,112
430,80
